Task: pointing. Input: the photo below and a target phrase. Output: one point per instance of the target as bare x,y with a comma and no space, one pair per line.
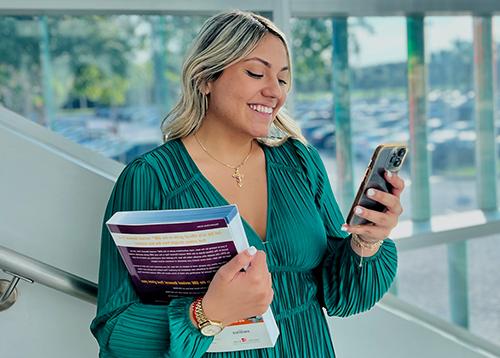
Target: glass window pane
423,280
450,107
484,280
312,53
377,60
312,94
379,106
112,78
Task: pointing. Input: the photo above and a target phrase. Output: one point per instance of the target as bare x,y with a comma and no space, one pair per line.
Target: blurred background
106,82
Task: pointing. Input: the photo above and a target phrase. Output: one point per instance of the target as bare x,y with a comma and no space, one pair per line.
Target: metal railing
22,267
446,229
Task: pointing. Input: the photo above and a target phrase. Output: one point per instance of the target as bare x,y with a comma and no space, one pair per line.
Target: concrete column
281,16
485,118
46,65
342,113
419,159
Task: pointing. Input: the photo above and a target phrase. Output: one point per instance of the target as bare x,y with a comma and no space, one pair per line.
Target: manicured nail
358,210
389,174
370,192
343,228
252,250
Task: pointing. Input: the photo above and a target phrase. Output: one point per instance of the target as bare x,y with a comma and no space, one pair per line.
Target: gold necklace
236,175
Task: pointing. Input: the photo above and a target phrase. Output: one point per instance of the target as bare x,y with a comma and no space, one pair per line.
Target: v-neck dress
310,259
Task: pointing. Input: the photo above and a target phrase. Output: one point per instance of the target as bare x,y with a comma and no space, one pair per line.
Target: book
176,253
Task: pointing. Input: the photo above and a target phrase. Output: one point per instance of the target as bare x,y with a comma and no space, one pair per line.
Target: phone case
385,157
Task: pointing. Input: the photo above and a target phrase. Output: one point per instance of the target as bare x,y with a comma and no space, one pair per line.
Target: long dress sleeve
123,326
345,288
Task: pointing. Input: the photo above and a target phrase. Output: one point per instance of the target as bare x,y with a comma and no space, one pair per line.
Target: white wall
53,193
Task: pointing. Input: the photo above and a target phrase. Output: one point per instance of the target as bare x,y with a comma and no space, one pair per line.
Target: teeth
260,108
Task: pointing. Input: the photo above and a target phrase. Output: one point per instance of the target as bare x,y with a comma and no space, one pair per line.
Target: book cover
175,253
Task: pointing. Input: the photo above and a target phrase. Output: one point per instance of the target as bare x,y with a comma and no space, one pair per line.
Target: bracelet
363,244
193,310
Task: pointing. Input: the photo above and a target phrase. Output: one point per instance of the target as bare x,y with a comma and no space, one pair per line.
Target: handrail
17,264
446,229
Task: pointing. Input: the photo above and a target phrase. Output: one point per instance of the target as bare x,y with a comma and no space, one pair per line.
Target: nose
272,88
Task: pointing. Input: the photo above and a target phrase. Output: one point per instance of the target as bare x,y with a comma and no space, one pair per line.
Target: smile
261,109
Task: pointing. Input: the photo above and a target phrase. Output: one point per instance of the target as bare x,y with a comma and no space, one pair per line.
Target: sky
388,42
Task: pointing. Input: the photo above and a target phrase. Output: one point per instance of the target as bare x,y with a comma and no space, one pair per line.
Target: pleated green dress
312,263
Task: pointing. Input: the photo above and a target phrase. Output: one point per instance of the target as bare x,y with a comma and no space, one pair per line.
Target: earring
205,102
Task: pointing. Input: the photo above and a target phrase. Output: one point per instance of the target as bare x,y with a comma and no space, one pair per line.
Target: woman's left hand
383,223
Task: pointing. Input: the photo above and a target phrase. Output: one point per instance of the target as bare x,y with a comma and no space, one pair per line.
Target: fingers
397,183
381,227
382,222
260,279
376,217
240,261
258,265
390,201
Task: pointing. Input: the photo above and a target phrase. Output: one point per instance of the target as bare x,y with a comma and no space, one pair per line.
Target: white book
252,333
175,253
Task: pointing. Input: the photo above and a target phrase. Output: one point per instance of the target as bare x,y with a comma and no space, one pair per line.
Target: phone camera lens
402,152
396,162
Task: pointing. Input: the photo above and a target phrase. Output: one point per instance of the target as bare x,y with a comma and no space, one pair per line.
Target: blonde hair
223,40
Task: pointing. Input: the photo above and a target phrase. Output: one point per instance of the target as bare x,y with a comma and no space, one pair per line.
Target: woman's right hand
234,294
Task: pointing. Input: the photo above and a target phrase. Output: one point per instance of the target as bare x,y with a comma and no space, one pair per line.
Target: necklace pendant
238,176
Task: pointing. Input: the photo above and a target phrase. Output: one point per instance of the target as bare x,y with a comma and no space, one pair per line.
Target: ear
206,88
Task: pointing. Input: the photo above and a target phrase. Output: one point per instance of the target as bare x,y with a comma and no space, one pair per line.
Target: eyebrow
266,63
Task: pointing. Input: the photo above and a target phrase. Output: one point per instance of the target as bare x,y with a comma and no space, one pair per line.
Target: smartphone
385,157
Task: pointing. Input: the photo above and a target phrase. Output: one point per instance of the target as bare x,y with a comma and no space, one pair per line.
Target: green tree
90,56
97,50
312,50
19,63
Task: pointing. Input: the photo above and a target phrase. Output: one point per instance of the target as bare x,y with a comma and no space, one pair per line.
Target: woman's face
248,94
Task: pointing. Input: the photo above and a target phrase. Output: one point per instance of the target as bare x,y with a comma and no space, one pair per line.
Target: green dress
311,261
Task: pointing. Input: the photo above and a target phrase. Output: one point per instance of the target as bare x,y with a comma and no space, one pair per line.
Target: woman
218,150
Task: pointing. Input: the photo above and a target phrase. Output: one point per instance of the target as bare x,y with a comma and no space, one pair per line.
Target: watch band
206,326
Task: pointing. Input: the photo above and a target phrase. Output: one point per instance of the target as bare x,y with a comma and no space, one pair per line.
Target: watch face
211,330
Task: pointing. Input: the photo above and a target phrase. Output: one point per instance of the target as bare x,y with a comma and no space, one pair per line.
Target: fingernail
252,250
343,228
389,174
358,210
370,192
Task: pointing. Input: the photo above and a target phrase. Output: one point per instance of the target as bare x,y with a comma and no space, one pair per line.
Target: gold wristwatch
207,327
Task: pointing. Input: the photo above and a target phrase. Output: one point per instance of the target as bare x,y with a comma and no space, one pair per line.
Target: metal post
281,16
45,61
419,159
485,119
342,112
160,85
